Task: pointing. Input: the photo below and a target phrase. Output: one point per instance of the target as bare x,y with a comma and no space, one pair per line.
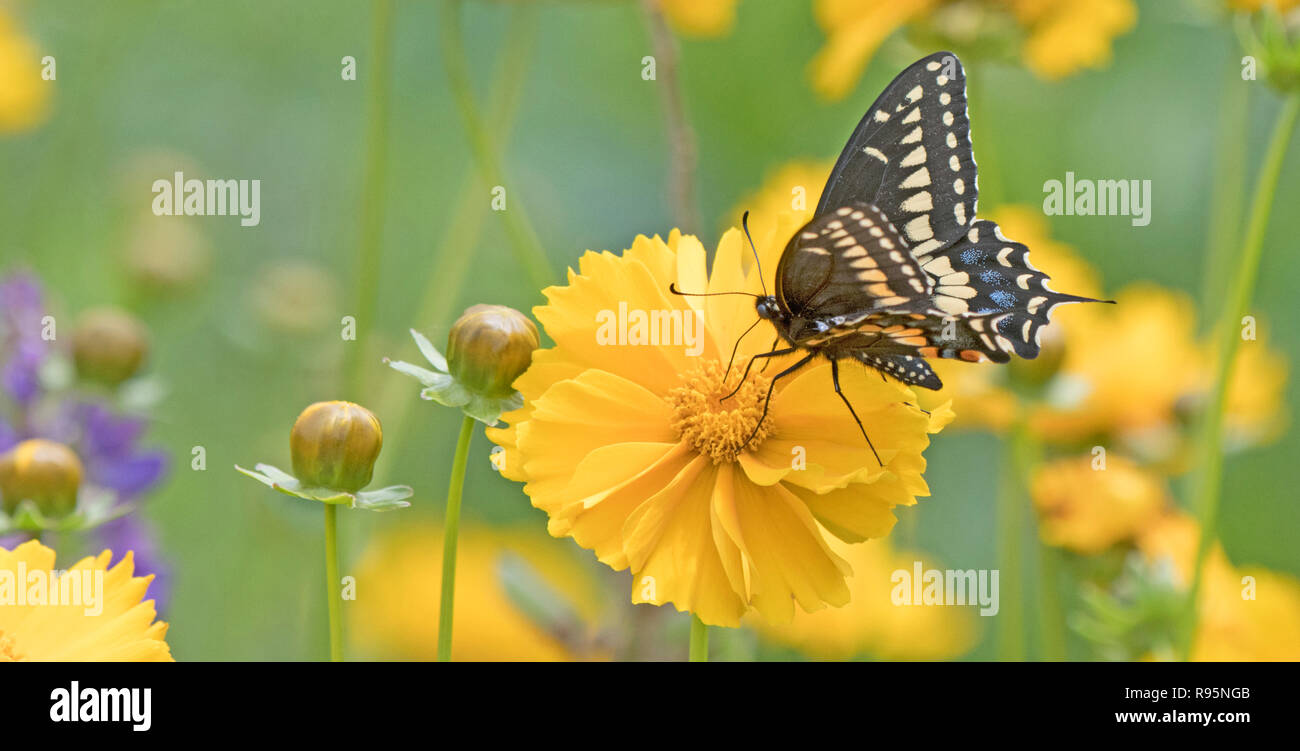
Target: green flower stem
699,640
465,224
528,249
332,594
1011,532
1051,615
1206,491
1228,189
373,182
451,531
681,137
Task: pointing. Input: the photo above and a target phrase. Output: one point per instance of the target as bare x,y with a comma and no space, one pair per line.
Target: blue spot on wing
970,255
992,277
1003,298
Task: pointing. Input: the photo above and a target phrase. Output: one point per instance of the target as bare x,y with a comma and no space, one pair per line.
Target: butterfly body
894,267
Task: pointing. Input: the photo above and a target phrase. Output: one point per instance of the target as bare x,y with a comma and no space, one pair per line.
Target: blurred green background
252,90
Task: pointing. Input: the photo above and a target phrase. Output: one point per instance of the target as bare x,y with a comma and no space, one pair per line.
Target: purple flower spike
22,307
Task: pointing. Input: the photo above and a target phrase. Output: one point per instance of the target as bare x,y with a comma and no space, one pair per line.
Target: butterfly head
769,309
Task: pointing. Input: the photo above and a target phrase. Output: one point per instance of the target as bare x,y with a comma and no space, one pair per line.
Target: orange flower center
715,427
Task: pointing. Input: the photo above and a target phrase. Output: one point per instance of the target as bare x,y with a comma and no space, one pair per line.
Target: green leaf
384,499
423,375
430,352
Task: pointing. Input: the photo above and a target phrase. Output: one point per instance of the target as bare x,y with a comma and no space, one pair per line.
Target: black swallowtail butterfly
894,267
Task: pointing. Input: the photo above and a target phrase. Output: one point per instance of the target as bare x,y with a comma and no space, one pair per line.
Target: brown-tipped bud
41,471
334,445
109,345
489,347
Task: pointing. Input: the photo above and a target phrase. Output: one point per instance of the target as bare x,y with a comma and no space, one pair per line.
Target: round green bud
109,345
334,445
41,471
489,347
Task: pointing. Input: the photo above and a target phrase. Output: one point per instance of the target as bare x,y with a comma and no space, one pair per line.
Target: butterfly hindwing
984,274
847,262
911,155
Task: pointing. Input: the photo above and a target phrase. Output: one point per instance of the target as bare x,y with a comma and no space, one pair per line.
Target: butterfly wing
986,275
848,262
911,156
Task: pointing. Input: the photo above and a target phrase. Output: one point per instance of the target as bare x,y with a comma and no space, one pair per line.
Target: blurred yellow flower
1065,36
1246,614
871,624
123,629
854,30
704,18
395,614
24,94
1088,510
1130,369
1060,37
631,453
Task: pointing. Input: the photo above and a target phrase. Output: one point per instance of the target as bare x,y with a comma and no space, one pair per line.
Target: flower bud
489,347
44,472
109,345
334,445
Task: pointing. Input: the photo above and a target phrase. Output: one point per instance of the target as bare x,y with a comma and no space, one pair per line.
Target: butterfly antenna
672,287
744,222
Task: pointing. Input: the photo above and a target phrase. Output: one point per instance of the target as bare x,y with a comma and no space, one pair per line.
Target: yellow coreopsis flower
24,95
872,624
1058,37
1087,507
1130,368
398,615
705,18
624,442
1065,36
1246,613
104,619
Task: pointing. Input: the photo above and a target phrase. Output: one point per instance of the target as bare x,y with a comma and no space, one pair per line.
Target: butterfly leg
775,342
767,402
736,347
835,379
750,364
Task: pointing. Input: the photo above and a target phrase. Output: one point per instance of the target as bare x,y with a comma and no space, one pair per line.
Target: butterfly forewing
848,262
911,156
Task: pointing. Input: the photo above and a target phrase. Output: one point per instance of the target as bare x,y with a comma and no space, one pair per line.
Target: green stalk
1051,615
699,651
451,532
332,594
465,224
528,249
1207,490
1011,531
373,182
1228,190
